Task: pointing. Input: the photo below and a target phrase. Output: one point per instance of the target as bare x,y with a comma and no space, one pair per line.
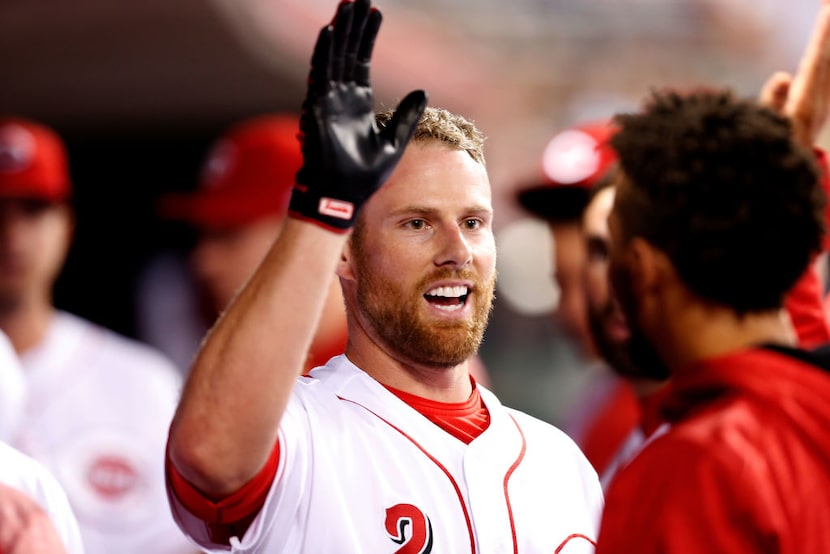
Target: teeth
448,292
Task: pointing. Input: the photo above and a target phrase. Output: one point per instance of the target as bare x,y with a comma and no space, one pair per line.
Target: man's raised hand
346,157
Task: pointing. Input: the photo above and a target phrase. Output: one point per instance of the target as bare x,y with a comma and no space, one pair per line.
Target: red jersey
745,466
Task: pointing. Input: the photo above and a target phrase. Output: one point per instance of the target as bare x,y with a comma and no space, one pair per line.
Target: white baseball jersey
98,411
361,471
12,389
29,476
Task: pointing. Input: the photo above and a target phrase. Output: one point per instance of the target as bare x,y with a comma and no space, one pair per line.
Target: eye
472,223
597,250
416,224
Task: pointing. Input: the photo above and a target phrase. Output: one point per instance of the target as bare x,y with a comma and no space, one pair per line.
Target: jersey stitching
436,462
507,476
568,539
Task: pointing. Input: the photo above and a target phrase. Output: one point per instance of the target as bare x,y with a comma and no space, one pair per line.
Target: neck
444,384
707,331
26,323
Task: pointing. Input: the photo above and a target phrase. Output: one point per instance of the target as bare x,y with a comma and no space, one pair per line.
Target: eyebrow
425,211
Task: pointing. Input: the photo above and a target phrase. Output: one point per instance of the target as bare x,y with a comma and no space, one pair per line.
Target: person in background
97,404
237,211
391,446
633,363
719,211
575,162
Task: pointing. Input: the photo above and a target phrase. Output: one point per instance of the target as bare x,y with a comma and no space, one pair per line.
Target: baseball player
636,362
391,447
97,405
706,238
574,162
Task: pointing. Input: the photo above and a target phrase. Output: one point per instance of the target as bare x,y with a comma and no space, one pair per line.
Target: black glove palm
346,157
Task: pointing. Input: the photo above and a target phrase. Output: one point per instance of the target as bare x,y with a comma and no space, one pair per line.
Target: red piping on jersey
507,478
568,539
436,462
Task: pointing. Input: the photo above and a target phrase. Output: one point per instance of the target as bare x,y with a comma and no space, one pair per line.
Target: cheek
53,238
621,283
486,255
596,283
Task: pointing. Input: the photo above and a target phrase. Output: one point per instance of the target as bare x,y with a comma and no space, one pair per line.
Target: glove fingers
320,73
342,28
367,44
406,117
359,18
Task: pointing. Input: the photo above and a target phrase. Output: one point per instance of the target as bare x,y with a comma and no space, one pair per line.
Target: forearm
241,380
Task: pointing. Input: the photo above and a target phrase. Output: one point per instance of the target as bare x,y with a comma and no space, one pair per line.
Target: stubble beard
637,357
614,353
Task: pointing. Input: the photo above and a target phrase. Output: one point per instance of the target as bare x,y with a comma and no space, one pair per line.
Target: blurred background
139,89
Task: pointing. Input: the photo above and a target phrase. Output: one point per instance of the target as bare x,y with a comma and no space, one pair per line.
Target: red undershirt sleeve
824,179
805,304
805,301
229,516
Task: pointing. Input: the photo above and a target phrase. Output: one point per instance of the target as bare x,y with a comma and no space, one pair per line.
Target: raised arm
241,380
805,99
805,96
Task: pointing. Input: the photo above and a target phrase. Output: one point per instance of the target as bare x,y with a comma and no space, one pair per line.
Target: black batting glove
346,157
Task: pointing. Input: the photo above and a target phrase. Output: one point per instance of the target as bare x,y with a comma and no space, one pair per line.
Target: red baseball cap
248,174
573,161
33,162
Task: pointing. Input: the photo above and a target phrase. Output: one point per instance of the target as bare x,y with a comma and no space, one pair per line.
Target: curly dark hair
720,186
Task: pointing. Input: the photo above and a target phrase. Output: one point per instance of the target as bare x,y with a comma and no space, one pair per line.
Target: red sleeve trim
236,507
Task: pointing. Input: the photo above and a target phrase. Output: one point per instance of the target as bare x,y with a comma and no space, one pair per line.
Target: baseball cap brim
558,204
220,211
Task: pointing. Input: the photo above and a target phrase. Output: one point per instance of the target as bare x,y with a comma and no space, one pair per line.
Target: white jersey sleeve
29,476
12,390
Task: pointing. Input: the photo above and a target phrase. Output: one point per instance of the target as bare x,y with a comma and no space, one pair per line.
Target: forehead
595,218
434,177
622,193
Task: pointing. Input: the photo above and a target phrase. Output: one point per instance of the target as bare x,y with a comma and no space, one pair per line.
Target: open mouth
447,298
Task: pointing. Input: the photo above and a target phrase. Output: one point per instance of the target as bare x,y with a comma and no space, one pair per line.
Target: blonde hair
438,124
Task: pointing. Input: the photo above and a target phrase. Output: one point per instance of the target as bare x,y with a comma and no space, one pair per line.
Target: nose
455,248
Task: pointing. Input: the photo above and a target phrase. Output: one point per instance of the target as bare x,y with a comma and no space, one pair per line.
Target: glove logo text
336,208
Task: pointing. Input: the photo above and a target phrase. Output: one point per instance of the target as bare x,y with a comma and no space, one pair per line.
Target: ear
345,266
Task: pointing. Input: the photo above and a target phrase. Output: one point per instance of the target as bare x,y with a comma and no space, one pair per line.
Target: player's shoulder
24,473
114,349
550,448
543,428
533,427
